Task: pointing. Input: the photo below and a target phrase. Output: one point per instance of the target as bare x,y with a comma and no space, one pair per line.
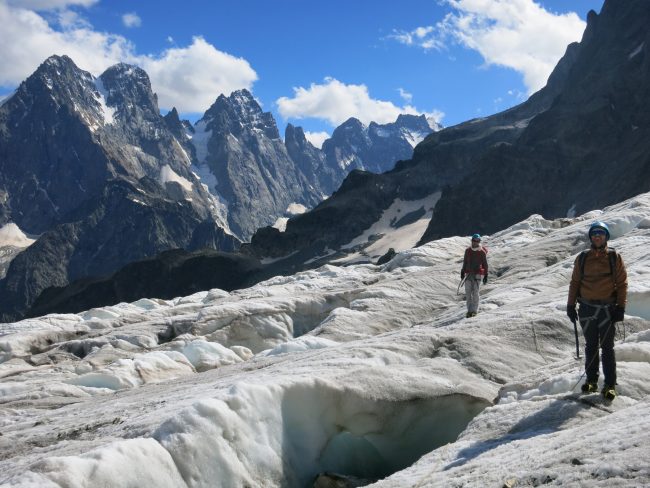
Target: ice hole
287,435
81,348
330,431
309,313
638,304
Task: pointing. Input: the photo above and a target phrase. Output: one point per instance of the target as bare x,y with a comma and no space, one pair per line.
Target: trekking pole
575,331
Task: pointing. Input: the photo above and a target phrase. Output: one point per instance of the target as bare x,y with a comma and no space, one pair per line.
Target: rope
462,281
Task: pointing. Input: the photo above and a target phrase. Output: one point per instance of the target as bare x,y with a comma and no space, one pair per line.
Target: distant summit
375,147
90,165
257,176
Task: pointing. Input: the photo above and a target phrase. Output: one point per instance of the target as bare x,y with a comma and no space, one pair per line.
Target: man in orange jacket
599,285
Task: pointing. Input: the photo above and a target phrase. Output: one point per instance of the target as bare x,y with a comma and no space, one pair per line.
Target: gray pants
472,285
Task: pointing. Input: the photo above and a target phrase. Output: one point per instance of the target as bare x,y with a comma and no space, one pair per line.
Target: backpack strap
611,254
582,259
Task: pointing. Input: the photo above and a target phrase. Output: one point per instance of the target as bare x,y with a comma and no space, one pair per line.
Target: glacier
368,373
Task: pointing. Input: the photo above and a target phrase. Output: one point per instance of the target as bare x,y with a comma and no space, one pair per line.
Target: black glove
618,314
485,280
462,274
571,313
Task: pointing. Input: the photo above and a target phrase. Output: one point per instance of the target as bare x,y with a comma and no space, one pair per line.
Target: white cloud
42,5
28,39
131,19
516,34
425,37
189,78
406,96
317,138
336,102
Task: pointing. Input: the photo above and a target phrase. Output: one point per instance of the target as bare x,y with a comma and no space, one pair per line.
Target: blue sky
313,64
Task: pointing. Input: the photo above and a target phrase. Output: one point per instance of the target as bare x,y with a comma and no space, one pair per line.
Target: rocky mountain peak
128,87
351,124
295,136
55,83
174,124
58,66
238,113
417,122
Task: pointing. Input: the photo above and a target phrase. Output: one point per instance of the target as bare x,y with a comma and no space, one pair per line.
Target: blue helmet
601,226
476,237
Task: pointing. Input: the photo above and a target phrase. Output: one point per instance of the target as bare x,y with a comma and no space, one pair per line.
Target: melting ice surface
366,371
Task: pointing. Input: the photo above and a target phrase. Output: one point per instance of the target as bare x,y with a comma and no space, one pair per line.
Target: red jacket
475,262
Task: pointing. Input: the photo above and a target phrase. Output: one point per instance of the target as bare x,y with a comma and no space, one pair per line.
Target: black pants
598,329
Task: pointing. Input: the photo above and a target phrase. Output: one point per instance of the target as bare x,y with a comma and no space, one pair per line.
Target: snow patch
108,113
636,51
11,235
296,209
200,140
167,174
383,234
281,223
414,137
347,161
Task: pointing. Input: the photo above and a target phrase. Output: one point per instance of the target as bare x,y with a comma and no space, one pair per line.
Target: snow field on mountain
360,370
391,230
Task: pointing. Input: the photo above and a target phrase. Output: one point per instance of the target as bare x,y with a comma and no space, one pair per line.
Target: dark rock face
182,131
311,162
354,207
92,166
589,149
171,274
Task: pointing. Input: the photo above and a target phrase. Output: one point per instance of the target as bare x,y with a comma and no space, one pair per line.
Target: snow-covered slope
370,372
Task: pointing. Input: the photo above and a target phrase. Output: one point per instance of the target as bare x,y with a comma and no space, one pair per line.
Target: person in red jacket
475,268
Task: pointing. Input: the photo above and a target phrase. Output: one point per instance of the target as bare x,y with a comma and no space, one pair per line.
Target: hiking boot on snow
590,387
609,392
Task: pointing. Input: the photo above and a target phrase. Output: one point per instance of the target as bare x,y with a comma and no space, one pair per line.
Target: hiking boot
473,314
468,315
590,387
609,392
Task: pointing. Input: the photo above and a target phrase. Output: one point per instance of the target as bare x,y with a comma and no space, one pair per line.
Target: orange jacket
598,282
